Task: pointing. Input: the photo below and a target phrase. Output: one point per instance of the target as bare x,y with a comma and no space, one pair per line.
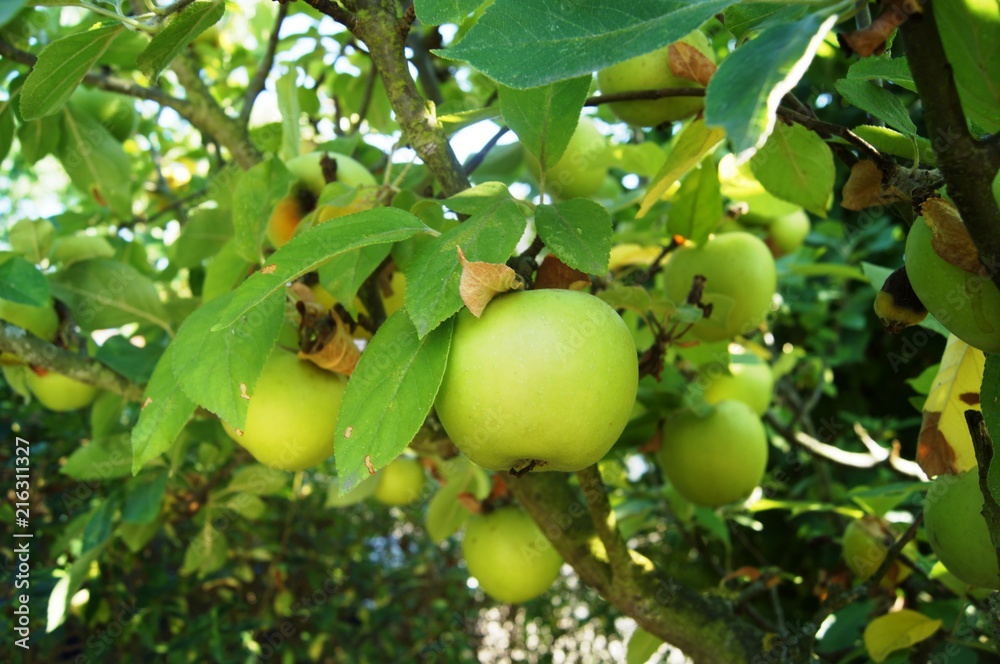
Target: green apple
301,199
965,303
652,72
509,555
292,416
581,169
753,384
544,376
60,393
740,282
957,530
717,459
787,233
116,112
866,543
400,482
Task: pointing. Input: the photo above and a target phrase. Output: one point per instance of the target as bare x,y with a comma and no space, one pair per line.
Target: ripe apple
965,303
301,200
957,530
581,169
866,543
509,555
544,376
717,459
740,281
753,384
60,393
116,112
787,233
400,482
652,72
292,416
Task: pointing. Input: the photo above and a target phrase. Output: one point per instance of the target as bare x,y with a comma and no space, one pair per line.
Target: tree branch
983,446
376,24
703,628
40,353
968,165
260,77
604,521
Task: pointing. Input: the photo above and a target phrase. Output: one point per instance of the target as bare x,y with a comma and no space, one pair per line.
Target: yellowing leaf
945,445
897,631
694,142
950,237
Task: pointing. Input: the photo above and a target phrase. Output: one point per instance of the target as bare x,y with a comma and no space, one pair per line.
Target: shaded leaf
878,102
578,231
22,282
105,293
796,165
179,32
697,206
897,631
694,142
544,117
165,411
95,162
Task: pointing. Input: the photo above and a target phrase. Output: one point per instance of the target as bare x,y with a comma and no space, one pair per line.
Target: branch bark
703,628
967,164
36,351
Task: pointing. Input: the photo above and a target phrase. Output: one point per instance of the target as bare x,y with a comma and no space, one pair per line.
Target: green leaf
544,118
32,238
105,293
695,141
137,536
642,646
67,586
254,197
342,276
490,235
894,143
258,480
796,165
6,130
39,138
95,162
224,272
246,505
218,368
968,34
744,93
291,112
881,499
476,199
990,399
99,526
76,248
308,251
179,32
697,206
207,230
388,397
206,553
745,17
578,232
878,102
352,497
145,493
60,68
134,363
104,459
436,12
883,67
165,411
445,514
21,282
551,40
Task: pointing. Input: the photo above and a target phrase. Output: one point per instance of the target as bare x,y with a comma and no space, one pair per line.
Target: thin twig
260,77
477,159
366,100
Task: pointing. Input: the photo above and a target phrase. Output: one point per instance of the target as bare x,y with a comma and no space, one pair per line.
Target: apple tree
508,330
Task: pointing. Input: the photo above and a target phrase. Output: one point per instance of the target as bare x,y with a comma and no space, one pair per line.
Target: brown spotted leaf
687,62
950,238
871,40
326,340
945,445
481,282
864,188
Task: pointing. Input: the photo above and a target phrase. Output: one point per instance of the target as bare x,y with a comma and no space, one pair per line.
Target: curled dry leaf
689,63
553,273
865,188
326,341
470,502
481,282
871,40
950,238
